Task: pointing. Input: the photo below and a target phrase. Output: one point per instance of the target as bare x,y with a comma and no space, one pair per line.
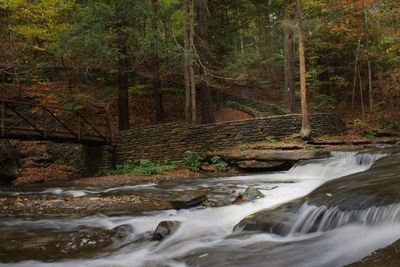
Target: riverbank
269,155
385,257
103,203
114,194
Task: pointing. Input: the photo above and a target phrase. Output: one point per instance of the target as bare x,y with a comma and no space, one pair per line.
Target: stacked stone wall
87,159
170,141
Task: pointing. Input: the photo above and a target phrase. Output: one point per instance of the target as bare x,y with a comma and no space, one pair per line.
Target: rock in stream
364,197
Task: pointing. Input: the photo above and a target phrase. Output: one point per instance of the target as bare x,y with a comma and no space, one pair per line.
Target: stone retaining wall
170,141
87,159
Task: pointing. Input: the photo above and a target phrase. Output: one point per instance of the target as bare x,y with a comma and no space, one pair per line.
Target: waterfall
311,218
340,164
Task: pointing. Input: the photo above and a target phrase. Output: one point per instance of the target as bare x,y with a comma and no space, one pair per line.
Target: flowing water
318,235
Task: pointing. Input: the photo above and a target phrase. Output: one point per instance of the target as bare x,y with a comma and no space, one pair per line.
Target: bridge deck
30,122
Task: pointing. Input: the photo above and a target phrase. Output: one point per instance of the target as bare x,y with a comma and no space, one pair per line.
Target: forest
199,133
157,55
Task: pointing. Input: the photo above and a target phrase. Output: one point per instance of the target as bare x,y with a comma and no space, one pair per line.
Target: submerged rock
35,244
188,201
165,229
276,221
265,165
250,194
122,231
272,160
285,155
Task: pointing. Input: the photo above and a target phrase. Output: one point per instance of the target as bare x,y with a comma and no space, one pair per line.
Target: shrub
192,160
219,164
371,133
167,166
142,167
146,167
59,162
270,139
361,125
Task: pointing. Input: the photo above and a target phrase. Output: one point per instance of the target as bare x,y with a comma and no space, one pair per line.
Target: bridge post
108,130
44,122
3,116
79,127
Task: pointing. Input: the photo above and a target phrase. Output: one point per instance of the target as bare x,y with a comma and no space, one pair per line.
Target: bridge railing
22,120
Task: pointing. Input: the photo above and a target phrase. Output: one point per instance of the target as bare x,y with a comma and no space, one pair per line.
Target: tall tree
110,35
189,75
370,93
30,30
156,62
305,124
123,79
289,59
207,109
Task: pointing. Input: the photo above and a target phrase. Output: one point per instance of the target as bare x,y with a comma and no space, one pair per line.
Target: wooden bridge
32,122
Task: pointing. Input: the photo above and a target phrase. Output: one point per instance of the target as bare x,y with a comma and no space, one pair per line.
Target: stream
321,228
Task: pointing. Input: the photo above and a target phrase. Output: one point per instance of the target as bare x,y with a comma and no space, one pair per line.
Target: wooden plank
32,135
36,133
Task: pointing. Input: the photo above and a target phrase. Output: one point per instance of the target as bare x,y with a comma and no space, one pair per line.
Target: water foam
208,227
312,218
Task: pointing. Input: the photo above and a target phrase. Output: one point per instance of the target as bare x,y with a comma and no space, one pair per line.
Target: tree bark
353,97
289,61
186,72
156,64
123,83
207,109
361,95
67,78
123,99
192,78
305,125
370,93
193,102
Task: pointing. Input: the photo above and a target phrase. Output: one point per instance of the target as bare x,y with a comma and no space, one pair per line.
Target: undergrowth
142,167
192,161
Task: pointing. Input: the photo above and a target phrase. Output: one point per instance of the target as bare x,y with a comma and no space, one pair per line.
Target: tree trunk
123,85
191,70
123,99
186,72
353,97
361,95
289,61
66,74
370,93
193,94
156,64
207,109
305,125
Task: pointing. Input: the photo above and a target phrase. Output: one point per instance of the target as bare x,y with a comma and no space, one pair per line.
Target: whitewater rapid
210,229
